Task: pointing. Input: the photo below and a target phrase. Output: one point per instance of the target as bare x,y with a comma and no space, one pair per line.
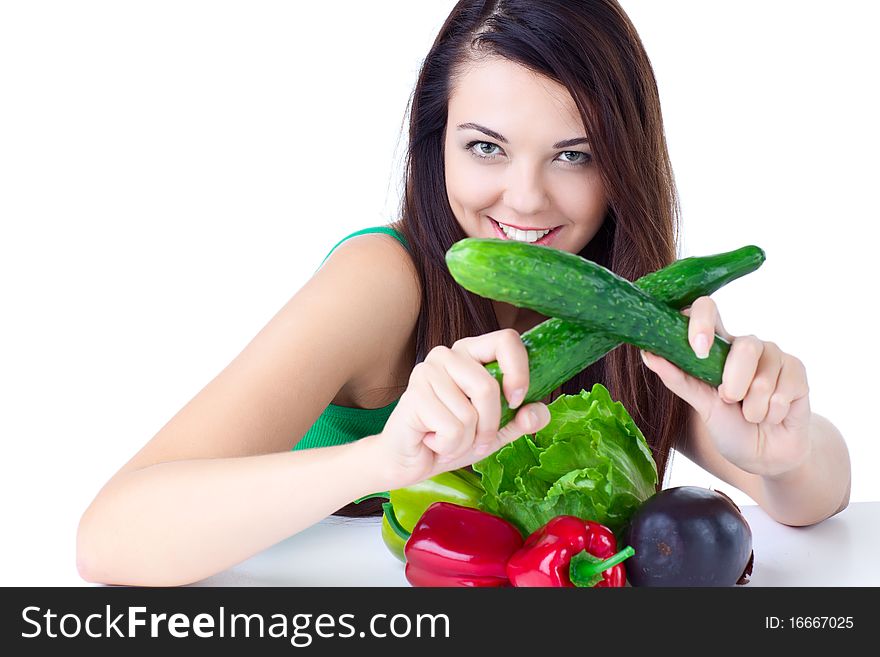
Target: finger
441,427
506,347
452,395
719,326
529,419
756,403
701,325
420,433
470,378
700,395
740,368
790,402
778,408
445,433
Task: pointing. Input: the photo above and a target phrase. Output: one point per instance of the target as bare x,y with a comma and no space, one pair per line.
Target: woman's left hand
759,417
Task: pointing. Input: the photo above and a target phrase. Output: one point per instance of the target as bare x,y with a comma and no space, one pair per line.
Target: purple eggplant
689,536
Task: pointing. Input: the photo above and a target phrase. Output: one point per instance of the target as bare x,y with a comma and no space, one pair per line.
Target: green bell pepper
460,487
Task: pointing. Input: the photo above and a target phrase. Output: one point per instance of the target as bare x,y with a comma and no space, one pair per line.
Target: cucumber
558,349
684,281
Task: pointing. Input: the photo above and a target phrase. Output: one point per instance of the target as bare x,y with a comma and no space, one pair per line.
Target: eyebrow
496,135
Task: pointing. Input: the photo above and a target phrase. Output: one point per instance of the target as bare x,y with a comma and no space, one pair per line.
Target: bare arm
218,483
813,492
819,488
178,522
756,430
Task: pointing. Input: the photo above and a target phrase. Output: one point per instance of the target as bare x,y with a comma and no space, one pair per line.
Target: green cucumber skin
560,284
559,349
685,280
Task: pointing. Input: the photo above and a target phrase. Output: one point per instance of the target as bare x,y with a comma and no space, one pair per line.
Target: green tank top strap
388,230
338,425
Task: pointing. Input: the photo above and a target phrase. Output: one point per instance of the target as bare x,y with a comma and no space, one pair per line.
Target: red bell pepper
569,551
453,545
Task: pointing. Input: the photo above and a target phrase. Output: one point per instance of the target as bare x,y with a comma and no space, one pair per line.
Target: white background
172,172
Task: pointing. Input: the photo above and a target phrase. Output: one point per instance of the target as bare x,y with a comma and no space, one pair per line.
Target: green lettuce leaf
590,461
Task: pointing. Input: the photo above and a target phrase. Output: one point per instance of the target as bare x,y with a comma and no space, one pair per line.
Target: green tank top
338,425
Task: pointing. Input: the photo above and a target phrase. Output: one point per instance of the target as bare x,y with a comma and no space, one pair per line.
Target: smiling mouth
531,236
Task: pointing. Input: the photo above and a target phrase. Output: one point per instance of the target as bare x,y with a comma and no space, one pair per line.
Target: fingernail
536,417
444,459
701,346
481,450
533,418
516,397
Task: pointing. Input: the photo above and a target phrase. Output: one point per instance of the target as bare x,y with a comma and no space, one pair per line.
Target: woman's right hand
448,416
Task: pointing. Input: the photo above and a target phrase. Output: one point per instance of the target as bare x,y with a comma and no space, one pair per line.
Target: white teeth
522,235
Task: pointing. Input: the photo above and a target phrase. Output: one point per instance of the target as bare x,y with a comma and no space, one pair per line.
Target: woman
527,117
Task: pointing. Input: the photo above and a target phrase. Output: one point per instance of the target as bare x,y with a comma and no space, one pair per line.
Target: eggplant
688,536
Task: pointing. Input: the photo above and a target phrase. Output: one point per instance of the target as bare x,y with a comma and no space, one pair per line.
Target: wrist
799,471
369,461
817,488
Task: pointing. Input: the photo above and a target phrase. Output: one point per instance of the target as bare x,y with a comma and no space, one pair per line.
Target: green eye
584,158
481,152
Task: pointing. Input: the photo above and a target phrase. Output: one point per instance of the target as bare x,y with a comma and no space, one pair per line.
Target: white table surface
841,551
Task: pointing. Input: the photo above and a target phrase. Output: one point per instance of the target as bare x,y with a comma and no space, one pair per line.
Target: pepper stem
586,570
385,494
388,510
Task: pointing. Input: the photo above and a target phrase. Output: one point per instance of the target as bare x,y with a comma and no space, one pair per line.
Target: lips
547,239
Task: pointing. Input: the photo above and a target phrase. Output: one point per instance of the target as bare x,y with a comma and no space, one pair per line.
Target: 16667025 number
820,622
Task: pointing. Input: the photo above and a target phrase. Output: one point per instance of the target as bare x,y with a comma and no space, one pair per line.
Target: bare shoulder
362,302
384,301
389,326
382,259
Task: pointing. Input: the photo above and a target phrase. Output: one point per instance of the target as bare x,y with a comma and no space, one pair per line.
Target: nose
525,192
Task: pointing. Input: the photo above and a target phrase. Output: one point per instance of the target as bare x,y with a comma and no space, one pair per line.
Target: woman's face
517,160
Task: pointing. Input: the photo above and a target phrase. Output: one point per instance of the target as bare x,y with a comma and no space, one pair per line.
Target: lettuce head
590,461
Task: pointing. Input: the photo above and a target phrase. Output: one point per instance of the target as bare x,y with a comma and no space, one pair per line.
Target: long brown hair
592,49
